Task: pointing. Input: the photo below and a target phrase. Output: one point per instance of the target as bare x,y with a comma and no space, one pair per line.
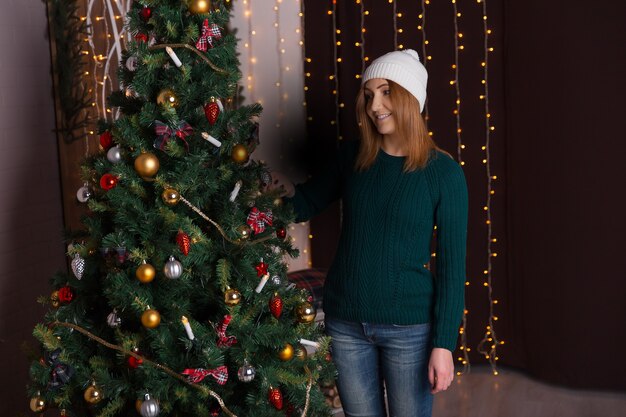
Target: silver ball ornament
83,194
149,407
246,373
114,155
276,280
131,63
173,269
113,320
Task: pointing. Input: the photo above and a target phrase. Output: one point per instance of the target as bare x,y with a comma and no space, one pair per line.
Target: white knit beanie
402,67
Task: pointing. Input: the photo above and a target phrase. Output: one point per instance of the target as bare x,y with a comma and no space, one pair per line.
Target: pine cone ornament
276,305
212,111
184,242
78,266
276,398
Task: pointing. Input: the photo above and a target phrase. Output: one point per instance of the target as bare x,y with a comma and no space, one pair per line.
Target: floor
512,394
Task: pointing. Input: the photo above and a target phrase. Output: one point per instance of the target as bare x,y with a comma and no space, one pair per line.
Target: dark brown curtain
556,101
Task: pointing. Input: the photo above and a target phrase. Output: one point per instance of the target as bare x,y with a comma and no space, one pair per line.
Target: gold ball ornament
306,313
167,98
150,318
145,273
278,202
301,352
199,6
93,394
54,299
138,403
286,353
244,232
38,404
170,196
232,297
147,165
240,154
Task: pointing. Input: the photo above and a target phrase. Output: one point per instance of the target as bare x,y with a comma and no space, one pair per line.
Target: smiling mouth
382,116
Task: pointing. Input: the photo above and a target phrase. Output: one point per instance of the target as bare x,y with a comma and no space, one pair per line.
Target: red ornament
276,305
281,233
106,140
275,398
261,269
108,181
141,37
66,294
134,362
215,410
145,13
212,111
289,410
184,242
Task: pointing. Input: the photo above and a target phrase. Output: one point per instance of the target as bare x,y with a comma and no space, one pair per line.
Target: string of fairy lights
335,75
464,348
489,344
248,45
280,50
105,20
105,42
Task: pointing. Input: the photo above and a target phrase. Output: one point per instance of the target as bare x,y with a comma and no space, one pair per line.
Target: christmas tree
178,302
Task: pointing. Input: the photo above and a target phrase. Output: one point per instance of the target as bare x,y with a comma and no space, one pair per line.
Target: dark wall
556,101
565,63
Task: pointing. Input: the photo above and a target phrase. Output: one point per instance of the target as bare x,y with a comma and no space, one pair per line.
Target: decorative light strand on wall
395,23
425,57
280,50
248,45
105,62
457,111
304,103
464,359
105,57
361,44
489,344
335,77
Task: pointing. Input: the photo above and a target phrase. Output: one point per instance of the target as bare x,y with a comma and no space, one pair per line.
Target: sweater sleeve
451,221
312,197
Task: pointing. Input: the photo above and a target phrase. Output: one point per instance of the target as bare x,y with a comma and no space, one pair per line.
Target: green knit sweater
380,273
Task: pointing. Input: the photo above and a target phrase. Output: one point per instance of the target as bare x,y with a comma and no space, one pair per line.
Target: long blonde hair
410,126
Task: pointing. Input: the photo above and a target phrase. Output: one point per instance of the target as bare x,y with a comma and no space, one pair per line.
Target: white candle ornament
259,287
187,328
235,192
309,343
174,57
211,139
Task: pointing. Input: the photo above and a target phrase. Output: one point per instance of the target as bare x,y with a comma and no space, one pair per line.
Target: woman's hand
440,370
282,183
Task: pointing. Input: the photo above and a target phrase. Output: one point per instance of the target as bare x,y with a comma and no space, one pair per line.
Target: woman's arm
312,197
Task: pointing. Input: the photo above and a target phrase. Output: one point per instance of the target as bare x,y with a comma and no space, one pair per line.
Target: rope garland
220,229
191,48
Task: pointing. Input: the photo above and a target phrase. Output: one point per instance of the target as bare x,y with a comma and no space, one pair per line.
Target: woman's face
378,105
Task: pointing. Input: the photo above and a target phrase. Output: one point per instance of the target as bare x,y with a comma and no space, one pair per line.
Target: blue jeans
366,355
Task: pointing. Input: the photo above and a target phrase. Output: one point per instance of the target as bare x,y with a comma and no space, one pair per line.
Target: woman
393,323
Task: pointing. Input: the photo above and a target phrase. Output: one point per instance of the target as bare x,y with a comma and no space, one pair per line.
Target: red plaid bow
196,375
257,220
223,340
164,133
208,34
